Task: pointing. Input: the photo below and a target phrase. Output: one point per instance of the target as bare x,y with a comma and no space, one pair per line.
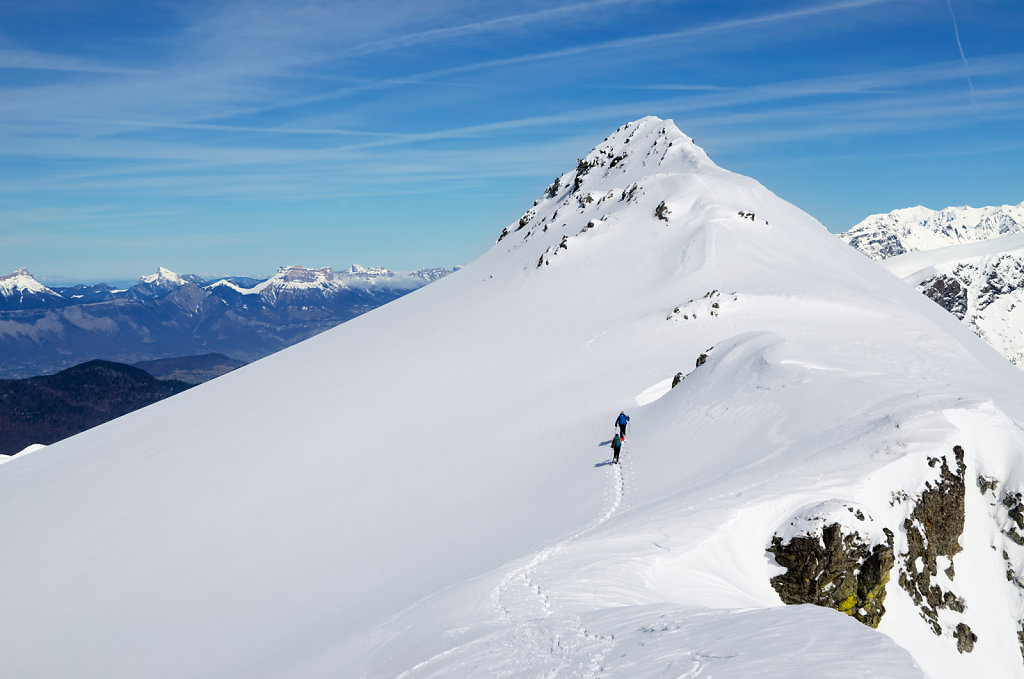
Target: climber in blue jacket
622,420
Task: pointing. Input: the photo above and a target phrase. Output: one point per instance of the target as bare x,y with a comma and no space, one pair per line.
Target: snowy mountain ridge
805,429
328,281
167,315
917,228
21,287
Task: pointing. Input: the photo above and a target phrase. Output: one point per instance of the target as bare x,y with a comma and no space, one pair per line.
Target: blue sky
233,137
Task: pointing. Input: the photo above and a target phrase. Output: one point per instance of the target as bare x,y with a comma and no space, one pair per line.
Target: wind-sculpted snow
424,491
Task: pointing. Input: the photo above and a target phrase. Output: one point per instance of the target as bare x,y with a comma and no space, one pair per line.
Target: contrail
956,32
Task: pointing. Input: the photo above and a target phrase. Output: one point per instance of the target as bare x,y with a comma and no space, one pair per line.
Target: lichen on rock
834,566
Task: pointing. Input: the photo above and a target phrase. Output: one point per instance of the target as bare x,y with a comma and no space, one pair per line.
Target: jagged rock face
933,532
876,243
1003,275
975,285
947,292
835,569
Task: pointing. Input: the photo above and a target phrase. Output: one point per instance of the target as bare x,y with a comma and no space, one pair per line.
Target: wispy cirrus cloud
14,59
502,23
275,103
702,30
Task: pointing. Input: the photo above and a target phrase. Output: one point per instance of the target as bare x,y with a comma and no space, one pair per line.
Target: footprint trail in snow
539,631
539,640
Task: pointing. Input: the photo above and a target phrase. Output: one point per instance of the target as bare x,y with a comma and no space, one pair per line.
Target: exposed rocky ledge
933,532
843,559
835,567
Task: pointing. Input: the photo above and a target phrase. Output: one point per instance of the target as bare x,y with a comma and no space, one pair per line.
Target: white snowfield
425,491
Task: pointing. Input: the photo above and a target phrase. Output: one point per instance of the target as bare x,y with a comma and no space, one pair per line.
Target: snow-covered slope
425,490
917,228
982,284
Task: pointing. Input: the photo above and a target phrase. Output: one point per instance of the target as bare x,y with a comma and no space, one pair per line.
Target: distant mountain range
167,315
916,229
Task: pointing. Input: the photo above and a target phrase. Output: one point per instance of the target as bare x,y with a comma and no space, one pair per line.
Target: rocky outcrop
876,243
837,569
965,638
933,531
1014,504
947,292
834,562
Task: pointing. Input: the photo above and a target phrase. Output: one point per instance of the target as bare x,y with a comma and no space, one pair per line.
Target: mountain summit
426,490
20,290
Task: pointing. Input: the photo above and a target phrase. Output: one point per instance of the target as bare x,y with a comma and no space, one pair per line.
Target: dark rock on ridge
837,570
933,530
947,292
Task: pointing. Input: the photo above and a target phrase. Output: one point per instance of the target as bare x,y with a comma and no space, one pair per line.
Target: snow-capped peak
164,278
22,283
634,151
296,274
650,143
646,171
918,228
